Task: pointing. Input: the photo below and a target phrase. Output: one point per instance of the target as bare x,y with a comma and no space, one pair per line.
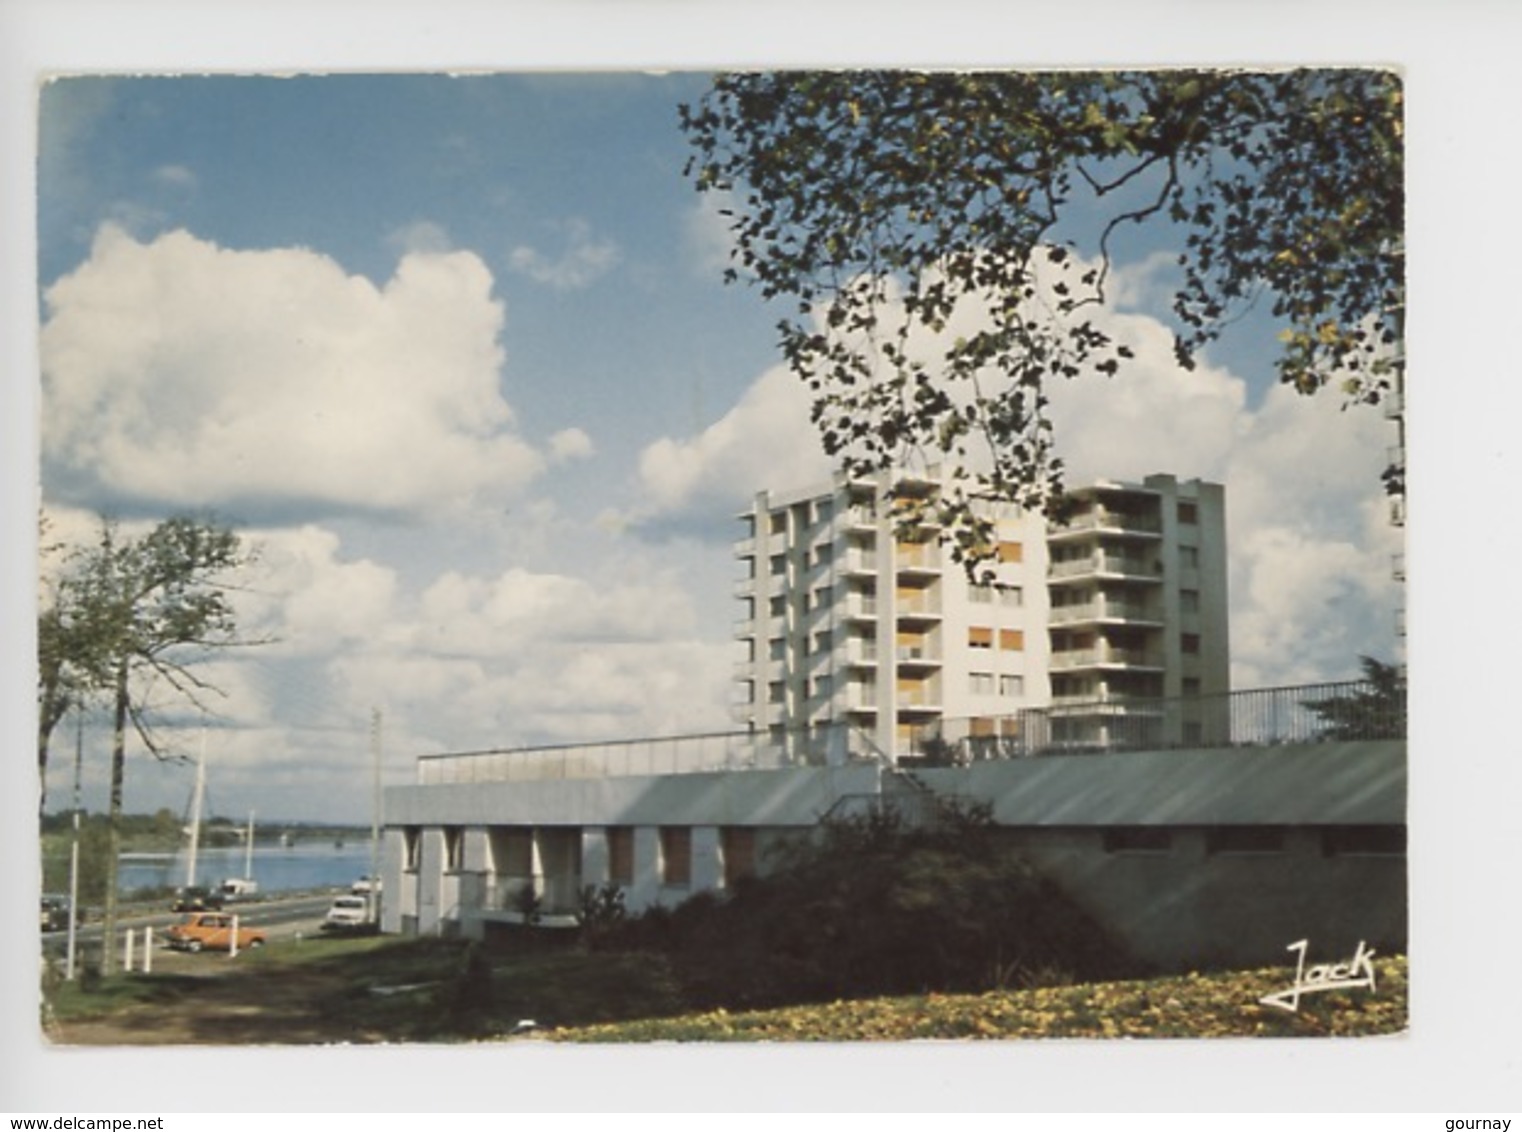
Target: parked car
55,913
365,885
194,898
348,914
211,931
235,889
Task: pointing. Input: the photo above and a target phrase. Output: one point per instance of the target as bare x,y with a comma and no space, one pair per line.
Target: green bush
876,906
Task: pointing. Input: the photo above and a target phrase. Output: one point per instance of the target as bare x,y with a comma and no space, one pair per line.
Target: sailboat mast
248,851
195,812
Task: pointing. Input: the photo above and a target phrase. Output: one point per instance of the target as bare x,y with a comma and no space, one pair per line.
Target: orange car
211,931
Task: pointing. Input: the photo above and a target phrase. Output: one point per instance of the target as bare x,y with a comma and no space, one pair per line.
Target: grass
1192,1006
381,989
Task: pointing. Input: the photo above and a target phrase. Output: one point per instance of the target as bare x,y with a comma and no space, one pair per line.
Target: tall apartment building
845,622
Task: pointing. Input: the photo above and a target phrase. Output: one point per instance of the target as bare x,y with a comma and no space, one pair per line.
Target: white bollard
232,943
127,953
147,951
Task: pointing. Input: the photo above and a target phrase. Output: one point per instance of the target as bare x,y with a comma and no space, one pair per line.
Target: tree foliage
876,906
130,617
1374,710
921,227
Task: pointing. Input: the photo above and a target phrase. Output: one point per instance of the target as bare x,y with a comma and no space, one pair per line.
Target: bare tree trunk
114,821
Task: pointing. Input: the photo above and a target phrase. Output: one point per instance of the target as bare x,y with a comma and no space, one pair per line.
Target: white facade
845,621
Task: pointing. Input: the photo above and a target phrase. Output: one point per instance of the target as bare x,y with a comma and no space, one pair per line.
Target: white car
365,885
348,914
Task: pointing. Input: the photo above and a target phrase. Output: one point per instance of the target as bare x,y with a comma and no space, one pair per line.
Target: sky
454,357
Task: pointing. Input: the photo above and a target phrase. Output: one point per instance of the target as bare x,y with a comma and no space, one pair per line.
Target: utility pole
73,909
373,897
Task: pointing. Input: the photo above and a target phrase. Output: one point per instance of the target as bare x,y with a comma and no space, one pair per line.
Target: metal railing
829,744
1309,713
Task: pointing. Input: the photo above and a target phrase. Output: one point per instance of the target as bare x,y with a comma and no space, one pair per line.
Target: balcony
856,653
918,558
1103,609
861,517
1104,656
913,605
1110,522
917,656
858,562
860,608
1105,565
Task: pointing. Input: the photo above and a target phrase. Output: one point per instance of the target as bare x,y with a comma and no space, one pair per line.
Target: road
282,917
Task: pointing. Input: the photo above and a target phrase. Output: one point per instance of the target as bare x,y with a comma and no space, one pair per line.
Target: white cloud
1151,412
764,442
584,260
709,240
305,598
571,444
177,373
423,236
175,176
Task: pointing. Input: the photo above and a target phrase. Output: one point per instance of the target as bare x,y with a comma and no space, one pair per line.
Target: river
275,868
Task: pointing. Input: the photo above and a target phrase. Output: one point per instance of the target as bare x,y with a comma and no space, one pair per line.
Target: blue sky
455,355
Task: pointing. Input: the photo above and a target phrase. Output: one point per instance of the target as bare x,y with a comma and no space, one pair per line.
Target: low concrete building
1191,857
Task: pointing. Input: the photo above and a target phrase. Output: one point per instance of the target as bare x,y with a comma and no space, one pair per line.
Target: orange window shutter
1011,552
1012,640
980,638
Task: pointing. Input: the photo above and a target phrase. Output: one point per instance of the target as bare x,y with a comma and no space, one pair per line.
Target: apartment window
980,638
779,564
1189,601
1011,685
1189,557
979,594
980,683
1189,644
823,596
776,692
779,522
412,840
1137,839
676,855
776,648
1011,596
621,855
1011,552
1012,640
822,686
823,642
824,555
454,849
1244,839
824,509
777,606
1188,512
739,848
1363,841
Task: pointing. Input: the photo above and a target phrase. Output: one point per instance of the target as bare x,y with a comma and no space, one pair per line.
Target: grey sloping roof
1313,784
1309,784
